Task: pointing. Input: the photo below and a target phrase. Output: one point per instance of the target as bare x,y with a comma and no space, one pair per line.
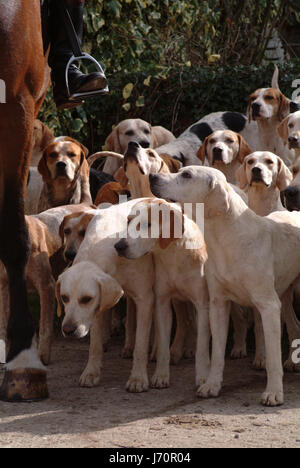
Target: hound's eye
295,171
65,299
71,154
85,300
291,125
212,141
269,161
147,131
129,133
53,155
269,98
152,155
250,162
229,140
186,175
82,233
67,231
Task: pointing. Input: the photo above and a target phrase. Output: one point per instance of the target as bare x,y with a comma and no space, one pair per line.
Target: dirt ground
108,416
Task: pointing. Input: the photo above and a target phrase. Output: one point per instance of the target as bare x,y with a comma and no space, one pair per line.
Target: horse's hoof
24,385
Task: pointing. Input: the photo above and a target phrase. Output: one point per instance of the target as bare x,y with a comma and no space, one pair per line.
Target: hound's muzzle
256,109
61,169
294,142
217,155
256,175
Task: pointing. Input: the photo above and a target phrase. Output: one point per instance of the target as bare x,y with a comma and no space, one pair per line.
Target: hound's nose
144,144
61,165
69,329
293,139
256,170
256,108
70,254
133,144
217,152
121,246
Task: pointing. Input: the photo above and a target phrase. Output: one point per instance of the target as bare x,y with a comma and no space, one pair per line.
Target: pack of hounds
243,266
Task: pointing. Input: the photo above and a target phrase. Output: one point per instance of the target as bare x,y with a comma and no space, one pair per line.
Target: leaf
147,80
126,106
76,125
127,90
116,7
214,58
140,101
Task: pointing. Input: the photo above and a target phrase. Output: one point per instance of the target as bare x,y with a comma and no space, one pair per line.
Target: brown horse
22,67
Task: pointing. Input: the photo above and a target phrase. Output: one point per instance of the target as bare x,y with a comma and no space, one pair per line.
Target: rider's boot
61,52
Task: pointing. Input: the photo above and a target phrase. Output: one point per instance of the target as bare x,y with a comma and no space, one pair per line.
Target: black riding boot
61,52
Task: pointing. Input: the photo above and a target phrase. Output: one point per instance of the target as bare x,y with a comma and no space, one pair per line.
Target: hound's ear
244,149
283,130
85,169
241,176
110,292
43,168
84,151
47,136
173,164
284,177
249,111
60,306
202,152
174,228
154,136
121,177
284,107
62,229
217,201
112,142
85,183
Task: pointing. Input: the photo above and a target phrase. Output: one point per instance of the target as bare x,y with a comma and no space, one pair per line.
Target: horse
23,69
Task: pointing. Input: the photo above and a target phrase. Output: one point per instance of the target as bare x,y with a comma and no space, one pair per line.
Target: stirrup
77,97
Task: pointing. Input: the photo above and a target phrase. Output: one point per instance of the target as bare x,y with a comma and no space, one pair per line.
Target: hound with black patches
186,146
225,150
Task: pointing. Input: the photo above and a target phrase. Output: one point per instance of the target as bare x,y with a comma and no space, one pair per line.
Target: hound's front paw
90,378
209,390
272,398
137,384
160,381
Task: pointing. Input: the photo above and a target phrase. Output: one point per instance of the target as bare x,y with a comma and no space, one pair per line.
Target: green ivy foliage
171,62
